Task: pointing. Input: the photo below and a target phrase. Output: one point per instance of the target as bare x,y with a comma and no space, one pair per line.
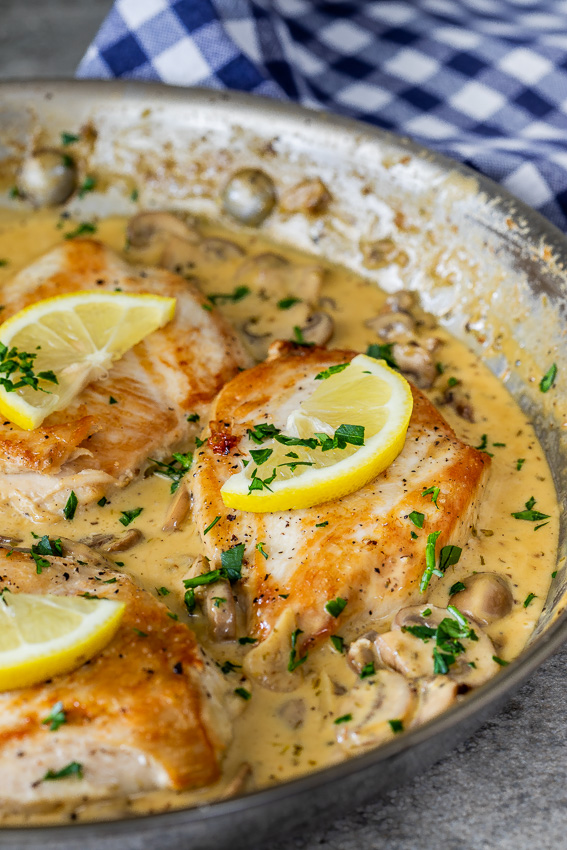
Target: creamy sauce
264,733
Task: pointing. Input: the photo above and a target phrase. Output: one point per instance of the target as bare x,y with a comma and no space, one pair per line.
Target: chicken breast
95,446
146,713
359,548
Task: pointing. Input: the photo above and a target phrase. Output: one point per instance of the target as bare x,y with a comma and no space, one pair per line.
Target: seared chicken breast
361,548
94,446
146,713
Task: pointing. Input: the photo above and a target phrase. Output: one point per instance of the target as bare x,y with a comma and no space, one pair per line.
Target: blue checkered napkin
483,81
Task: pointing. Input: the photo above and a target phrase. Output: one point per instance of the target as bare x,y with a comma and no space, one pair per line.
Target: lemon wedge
44,636
343,435
67,342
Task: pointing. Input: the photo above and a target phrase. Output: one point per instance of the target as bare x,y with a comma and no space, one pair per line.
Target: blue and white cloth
483,81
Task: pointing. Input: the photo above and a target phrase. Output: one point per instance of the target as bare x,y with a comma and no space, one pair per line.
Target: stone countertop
506,787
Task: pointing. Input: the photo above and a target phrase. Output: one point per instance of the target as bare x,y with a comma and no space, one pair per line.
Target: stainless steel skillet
490,268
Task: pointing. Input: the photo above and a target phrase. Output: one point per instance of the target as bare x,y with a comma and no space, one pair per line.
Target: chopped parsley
482,446
417,518
257,483
199,442
68,139
245,640
429,560
20,365
382,352
260,548
3,263
332,370
396,725
218,601
134,195
102,502
529,598
344,718
434,493
193,417
448,636
55,718
71,769
260,456
338,642
112,400
45,546
286,303
231,569
547,381
299,338
500,661
529,514
449,556
211,525
367,670
413,535
229,667
233,297
83,229
129,516
520,462
262,432
452,382
70,505
173,469
189,600
139,632
322,524
335,607
295,662
456,588
163,591
172,616
88,185
242,692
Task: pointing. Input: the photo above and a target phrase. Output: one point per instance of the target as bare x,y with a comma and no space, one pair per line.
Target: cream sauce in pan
271,735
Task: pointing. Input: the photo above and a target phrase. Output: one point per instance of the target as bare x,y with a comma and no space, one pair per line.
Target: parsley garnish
500,661
413,535
218,601
129,516
134,194
448,636
520,462
547,381
335,607
68,139
112,400
71,505
260,548
367,670
295,662
382,352
299,338
3,263
482,446
322,524
82,229
429,560
228,666
231,569
55,718
199,442
345,718
13,361
242,692
244,640
139,632
456,588
174,469
529,598
257,483
211,525
338,642
45,546
71,769
529,514
396,725
449,556
286,303
434,493
87,185
163,591
417,518
332,370
262,432
234,297
193,417
260,456
452,382
102,502
172,615
189,600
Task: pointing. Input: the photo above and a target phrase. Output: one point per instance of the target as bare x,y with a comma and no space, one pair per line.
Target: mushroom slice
47,178
362,652
144,227
9,542
413,654
308,196
220,609
318,328
434,696
486,598
369,707
393,326
249,196
126,541
178,509
413,359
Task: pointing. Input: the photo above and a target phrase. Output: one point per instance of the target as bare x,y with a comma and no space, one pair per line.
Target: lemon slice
44,636
367,395
77,337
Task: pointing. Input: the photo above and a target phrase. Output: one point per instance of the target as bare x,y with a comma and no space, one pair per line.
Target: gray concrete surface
506,787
